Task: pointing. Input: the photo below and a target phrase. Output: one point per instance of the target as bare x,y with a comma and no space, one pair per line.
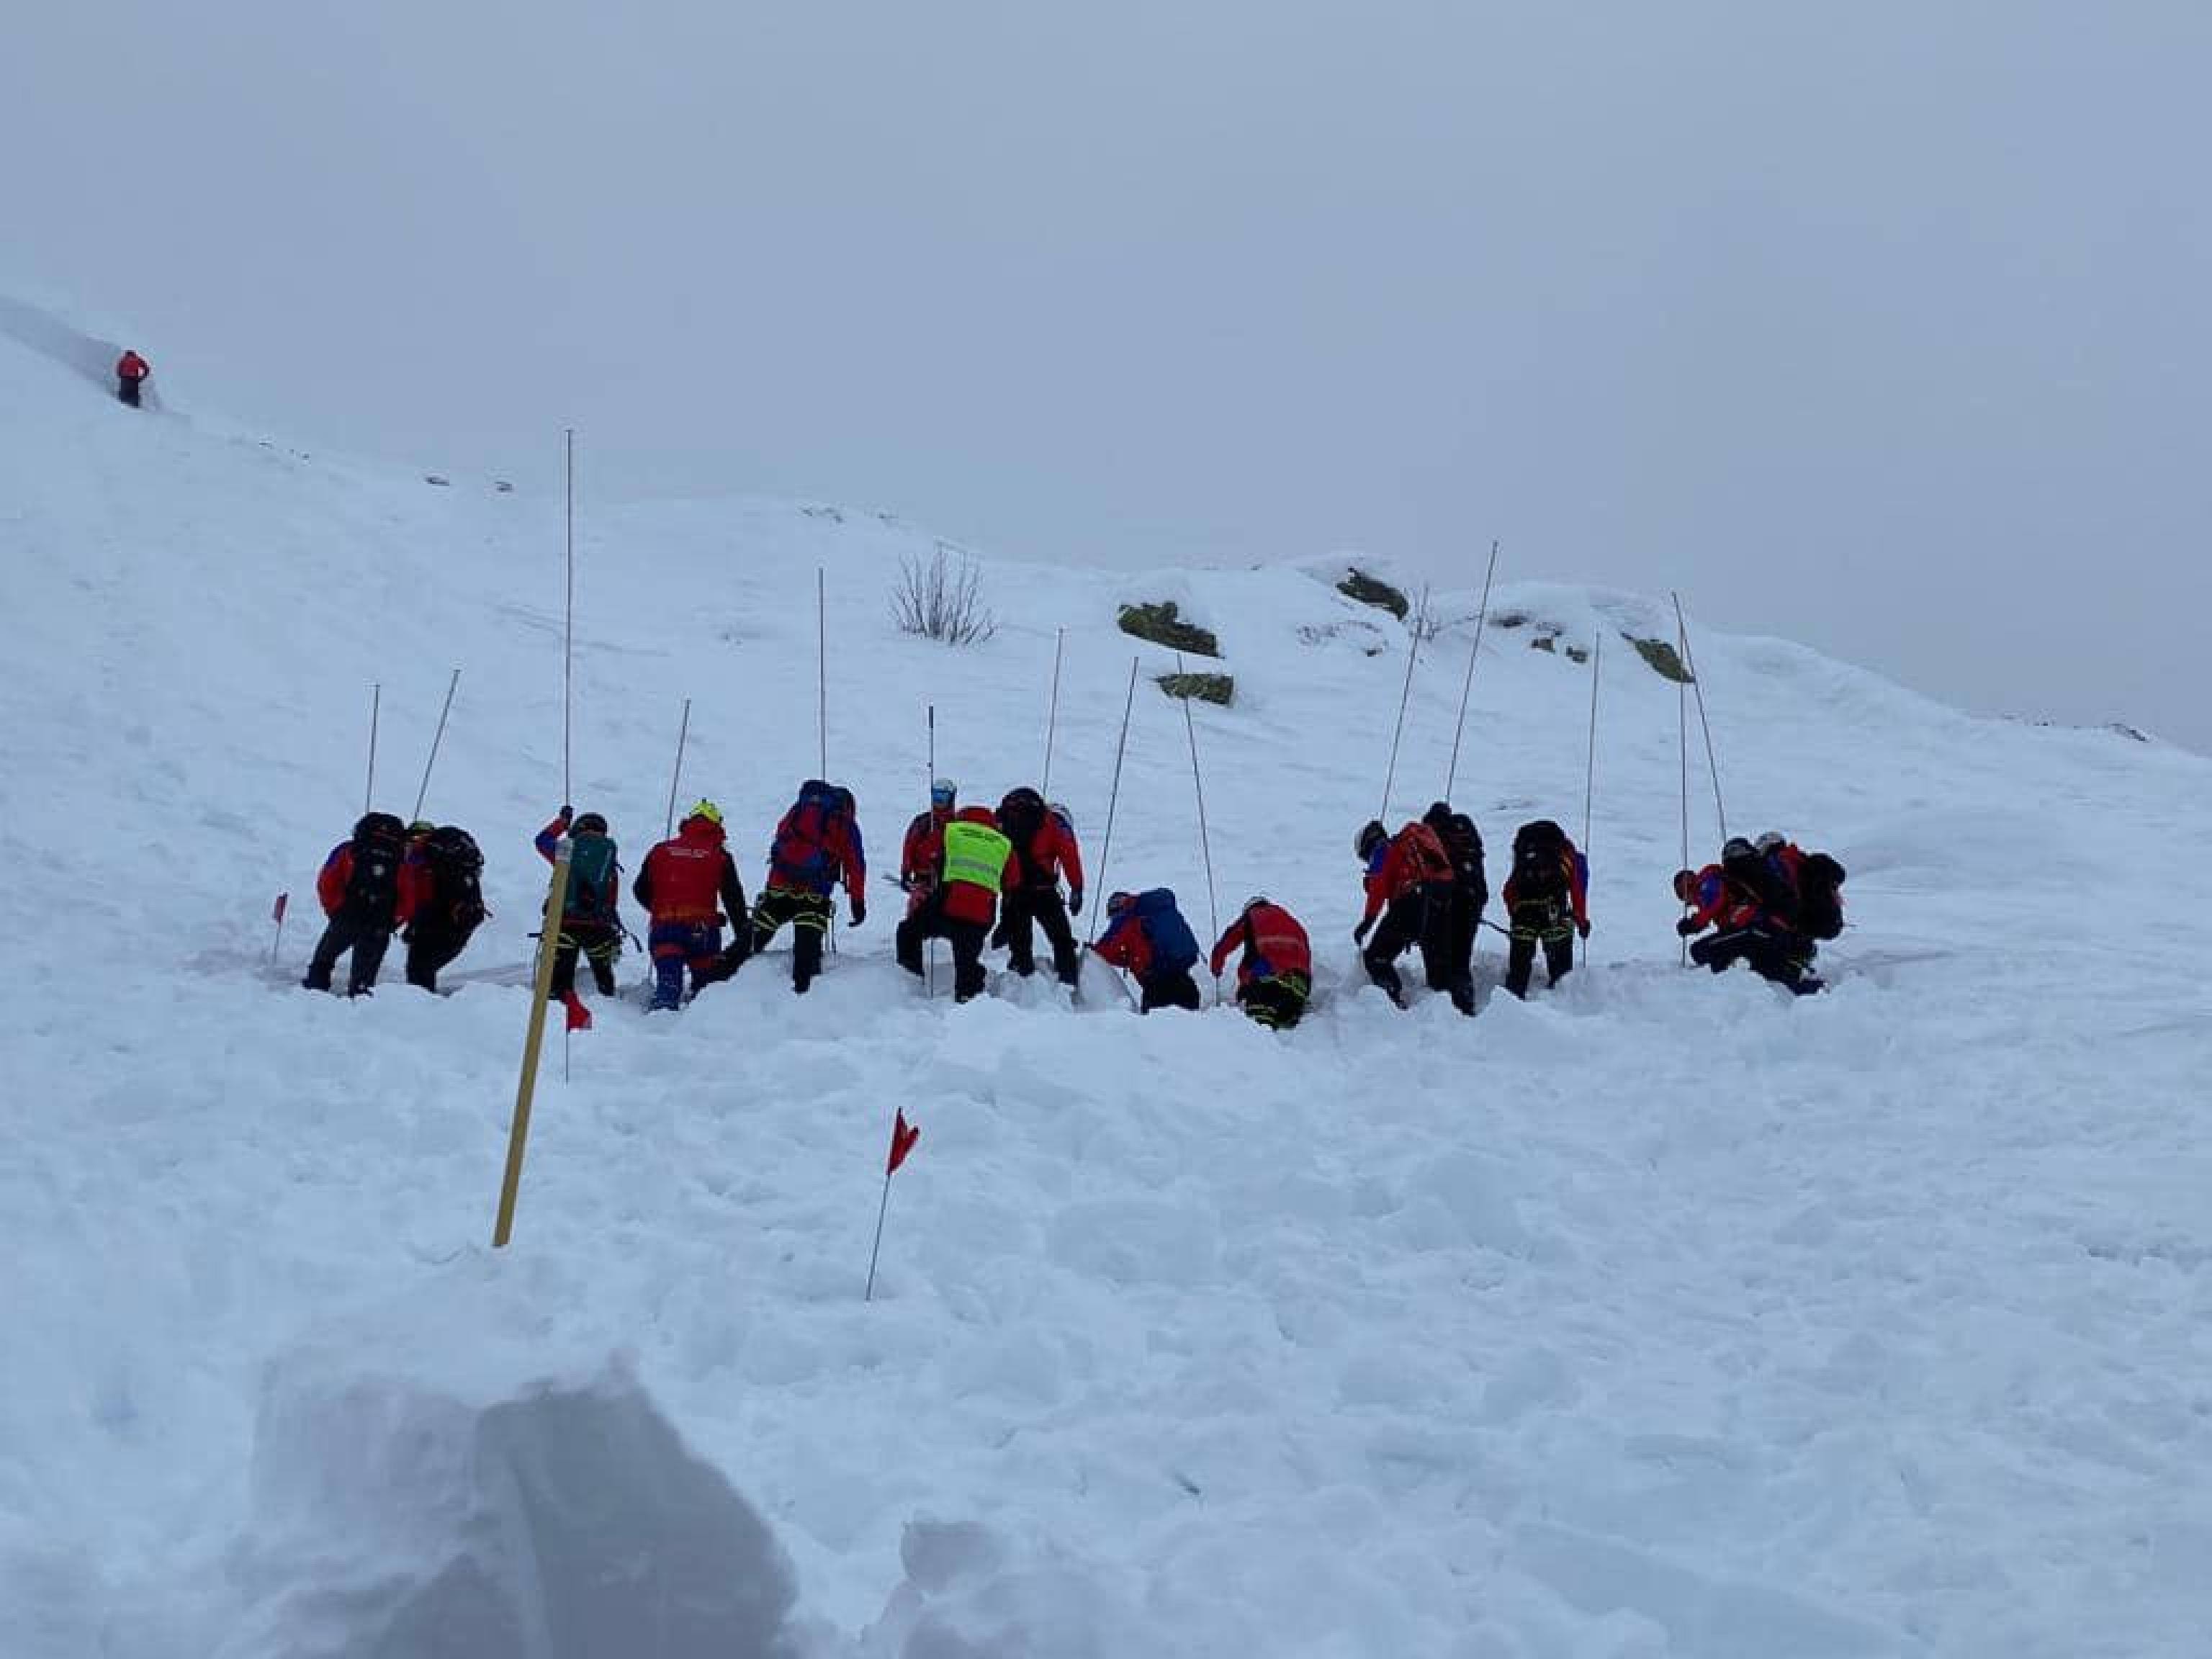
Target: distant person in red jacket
924,848
130,372
591,922
1410,886
1044,844
363,896
688,884
1274,980
1548,901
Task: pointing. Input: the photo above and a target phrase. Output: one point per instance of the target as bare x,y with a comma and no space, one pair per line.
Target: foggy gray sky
1883,326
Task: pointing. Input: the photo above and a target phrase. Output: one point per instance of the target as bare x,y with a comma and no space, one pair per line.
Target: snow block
568,1522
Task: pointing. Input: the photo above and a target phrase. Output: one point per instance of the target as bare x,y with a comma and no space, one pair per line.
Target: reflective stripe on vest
976,854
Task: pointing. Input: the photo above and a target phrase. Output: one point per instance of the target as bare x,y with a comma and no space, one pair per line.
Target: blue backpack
1173,947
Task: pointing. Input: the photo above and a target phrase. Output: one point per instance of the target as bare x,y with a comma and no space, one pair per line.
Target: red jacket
1275,946
1052,853
1721,900
131,367
691,878
336,874
1412,857
919,858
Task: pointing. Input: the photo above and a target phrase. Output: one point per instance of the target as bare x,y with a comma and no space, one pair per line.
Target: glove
1359,933
906,884
566,813
1583,928
1075,900
859,912
1686,927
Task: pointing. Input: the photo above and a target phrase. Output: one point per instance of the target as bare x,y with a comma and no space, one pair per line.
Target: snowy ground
1660,1315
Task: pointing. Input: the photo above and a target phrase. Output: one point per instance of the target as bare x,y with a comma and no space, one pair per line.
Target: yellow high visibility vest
976,854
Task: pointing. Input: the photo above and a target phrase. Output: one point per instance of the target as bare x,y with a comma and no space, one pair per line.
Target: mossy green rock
1664,659
1373,590
1206,688
1162,625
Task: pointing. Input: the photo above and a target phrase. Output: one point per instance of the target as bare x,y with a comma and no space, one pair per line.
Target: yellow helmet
707,810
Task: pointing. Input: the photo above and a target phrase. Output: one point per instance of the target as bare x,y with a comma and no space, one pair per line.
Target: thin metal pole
1205,843
1052,712
1682,727
822,669
1451,772
1413,656
375,703
568,624
682,731
876,1248
452,686
1589,767
1112,796
928,955
1689,666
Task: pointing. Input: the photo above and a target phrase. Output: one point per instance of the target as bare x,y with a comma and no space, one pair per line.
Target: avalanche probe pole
423,794
518,1133
568,621
1204,843
821,716
1590,768
1690,667
1682,727
1451,772
682,731
928,950
1413,656
368,789
1051,713
1113,797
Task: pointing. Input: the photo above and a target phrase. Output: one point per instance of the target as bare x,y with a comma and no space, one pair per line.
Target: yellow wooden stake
549,941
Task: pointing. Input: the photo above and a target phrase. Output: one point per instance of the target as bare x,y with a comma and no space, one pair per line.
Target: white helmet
1769,842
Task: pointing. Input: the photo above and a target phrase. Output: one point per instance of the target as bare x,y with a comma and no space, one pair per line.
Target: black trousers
1535,922
1783,957
127,390
1423,918
1277,1004
431,949
368,942
927,921
1027,908
1174,988
807,914
599,943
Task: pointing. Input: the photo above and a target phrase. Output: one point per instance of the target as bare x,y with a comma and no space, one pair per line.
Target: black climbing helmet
1372,835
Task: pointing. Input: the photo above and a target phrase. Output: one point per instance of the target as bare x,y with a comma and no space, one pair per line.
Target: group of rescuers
974,876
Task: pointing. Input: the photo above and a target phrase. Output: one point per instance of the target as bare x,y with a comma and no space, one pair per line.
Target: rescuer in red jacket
975,864
924,847
1275,979
362,894
688,884
1409,884
1045,845
131,373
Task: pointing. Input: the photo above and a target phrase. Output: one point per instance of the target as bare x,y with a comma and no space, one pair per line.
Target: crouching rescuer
688,884
975,864
1274,980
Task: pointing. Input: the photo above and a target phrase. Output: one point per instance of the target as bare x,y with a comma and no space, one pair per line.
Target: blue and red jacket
1147,937
1412,859
1721,901
843,857
1275,946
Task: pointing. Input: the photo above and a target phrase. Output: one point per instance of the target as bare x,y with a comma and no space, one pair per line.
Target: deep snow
1659,1315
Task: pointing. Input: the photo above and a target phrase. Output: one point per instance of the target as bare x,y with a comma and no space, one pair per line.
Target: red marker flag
903,1136
277,915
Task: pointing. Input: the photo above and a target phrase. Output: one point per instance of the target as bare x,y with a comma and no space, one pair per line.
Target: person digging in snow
591,925
688,884
1274,978
975,864
817,846
1148,939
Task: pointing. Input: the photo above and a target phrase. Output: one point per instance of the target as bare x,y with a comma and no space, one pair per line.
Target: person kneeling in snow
975,864
590,922
687,884
1742,899
1275,978
441,891
1149,940
361,892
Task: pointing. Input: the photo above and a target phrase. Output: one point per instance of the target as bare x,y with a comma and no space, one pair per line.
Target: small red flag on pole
903,1135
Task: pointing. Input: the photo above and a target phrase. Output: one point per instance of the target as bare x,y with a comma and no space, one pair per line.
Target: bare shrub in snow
941,600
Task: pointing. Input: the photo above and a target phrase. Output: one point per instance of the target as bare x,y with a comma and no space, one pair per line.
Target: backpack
1429,861
1539,861
1173,946
1820,904
372,894
1021,816
592,869
800,853
1764,879
456,870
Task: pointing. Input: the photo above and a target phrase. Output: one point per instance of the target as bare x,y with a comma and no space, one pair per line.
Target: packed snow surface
1661,1314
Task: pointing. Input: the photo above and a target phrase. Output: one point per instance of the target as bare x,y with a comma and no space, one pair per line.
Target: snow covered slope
1660,1315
